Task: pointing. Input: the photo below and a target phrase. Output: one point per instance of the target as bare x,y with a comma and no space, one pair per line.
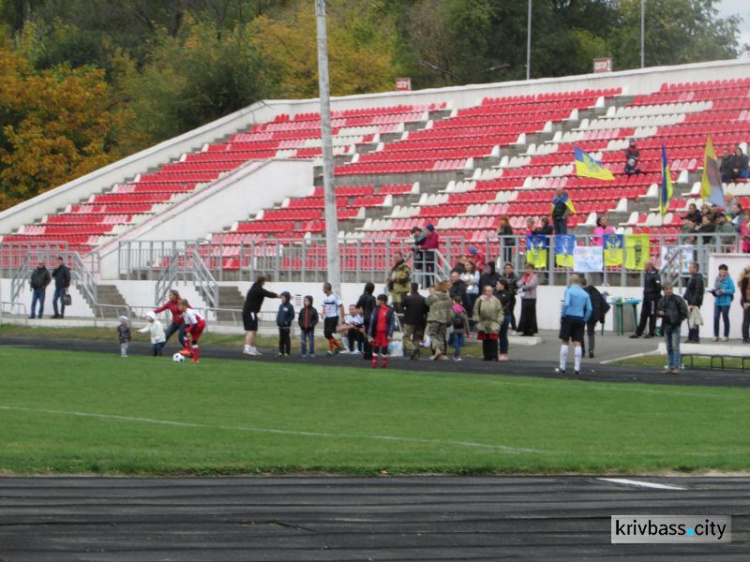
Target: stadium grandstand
210,210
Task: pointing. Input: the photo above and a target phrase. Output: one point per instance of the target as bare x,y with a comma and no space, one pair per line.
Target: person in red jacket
177,325
427,246
382,326
194,326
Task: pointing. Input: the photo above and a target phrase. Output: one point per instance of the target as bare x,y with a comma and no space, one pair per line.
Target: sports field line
504,448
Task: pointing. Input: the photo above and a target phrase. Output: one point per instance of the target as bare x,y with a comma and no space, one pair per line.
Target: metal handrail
204,280
166,279
21,276
11,306
83,278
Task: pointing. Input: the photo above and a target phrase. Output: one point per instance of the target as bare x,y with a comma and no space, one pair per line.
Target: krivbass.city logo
631,529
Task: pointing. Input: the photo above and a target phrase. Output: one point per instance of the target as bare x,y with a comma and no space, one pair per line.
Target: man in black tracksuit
651,296
61,275
250,311
415,320
694,298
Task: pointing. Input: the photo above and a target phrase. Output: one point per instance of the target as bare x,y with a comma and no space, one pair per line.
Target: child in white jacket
156,329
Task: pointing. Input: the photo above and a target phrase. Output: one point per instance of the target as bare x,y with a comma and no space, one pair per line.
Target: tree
56,125
360,48
677,32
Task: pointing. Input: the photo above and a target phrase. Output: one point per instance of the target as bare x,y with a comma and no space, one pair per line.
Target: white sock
578,354
345,343
563,356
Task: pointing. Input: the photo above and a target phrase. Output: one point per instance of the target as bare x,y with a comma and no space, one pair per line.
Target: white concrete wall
235,197
79,308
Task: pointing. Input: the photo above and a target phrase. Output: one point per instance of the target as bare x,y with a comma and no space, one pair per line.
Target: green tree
57,125
677,32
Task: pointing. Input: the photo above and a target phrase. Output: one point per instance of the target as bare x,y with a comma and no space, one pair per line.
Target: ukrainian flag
568,203
665,193
588,167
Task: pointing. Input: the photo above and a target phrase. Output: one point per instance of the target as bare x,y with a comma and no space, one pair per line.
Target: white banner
588,259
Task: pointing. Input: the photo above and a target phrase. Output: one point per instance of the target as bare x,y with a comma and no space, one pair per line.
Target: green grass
698,362
70,412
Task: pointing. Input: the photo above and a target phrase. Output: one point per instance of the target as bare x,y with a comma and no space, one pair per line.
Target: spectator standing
415,320
651,295
602,229
177,325
61,275
284,319
40,279
333,315
723,292
471,278
560,211
438,318
507,240
459,328
458,288
382,326
251,311
398,280
488,316
745,232
365,306
527,285
599,308
694,298
673,311
505,295
576,312
632,158
430,244
509,274
546,228
308,319
744,285
489,276
476,258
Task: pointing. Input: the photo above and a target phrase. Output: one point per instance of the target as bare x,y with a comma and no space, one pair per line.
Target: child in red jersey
382,326
194,326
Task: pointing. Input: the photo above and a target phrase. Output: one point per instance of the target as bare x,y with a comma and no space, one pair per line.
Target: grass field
75,412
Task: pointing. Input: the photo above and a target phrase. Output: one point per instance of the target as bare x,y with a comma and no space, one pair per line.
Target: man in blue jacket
576,312
723,292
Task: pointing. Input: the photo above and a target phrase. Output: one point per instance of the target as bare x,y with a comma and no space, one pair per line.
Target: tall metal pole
643,33
332,245
528,46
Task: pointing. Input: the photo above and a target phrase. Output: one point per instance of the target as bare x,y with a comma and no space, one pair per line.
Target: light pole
528,46
643,33
332,244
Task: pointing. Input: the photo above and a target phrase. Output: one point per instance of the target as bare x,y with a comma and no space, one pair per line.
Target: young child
350,331
460,324
284,319
156,329
308,318
382,326
194,326
123,334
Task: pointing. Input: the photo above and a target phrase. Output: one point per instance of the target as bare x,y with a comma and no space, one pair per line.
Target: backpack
458,321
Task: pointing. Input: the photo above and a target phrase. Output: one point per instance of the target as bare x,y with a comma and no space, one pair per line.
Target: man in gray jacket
40,278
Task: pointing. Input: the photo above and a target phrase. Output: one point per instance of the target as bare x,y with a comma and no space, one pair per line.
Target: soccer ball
178,358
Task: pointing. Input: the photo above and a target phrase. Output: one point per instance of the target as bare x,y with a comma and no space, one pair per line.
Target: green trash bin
626,316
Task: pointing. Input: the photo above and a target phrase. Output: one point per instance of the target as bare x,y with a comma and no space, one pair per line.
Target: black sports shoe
647,336
634,336
591,354
578,373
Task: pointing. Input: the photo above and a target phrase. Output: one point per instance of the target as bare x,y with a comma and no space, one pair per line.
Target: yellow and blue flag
711,188
666,191
565,198
536,250
588,167
613,249
565,245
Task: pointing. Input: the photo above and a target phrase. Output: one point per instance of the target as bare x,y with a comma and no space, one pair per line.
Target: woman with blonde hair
177,325
744,284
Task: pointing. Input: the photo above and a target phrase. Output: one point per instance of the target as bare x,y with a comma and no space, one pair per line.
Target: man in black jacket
40,278
61,275
651,294
599,308
250,311
365,305
694,297
458,289
415,320
673,312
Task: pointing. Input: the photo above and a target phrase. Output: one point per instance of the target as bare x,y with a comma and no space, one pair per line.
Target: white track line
640,484
504,448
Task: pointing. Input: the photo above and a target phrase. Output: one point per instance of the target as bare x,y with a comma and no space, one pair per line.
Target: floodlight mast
332,245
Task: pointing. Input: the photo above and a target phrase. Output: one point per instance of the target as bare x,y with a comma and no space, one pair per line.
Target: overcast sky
741,8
